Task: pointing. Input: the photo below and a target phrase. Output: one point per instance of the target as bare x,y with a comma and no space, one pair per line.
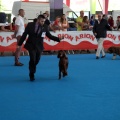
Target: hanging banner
68,3
73,40
105,6
92,6
25,0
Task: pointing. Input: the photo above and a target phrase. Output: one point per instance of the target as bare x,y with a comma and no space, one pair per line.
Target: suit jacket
35,41
101,28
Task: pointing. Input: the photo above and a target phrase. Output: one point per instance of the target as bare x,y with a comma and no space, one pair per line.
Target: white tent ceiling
76,5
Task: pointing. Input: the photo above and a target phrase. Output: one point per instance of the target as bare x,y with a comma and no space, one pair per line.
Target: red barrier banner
73,40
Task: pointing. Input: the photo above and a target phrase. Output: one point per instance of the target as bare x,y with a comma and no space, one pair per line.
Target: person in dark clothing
35,20
47,22
100,31
92,21
36,32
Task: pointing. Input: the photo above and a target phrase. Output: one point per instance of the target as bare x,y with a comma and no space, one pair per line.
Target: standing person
100,31
64,23
85,26
36,32
13,24
19,29
79,21
64,26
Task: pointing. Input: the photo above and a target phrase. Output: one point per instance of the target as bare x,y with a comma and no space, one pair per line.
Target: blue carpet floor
91,91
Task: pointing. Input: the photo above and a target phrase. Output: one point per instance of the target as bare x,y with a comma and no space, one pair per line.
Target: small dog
63,63
115,51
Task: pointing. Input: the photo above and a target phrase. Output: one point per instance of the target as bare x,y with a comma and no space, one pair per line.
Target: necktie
37,31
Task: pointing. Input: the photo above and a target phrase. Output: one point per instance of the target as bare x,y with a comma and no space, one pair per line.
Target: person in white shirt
19,29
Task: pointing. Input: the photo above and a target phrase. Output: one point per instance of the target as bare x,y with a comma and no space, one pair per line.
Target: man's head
81,13
41,20
21,12
99,17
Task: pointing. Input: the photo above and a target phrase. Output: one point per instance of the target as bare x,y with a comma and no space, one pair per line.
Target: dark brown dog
114,50
63,63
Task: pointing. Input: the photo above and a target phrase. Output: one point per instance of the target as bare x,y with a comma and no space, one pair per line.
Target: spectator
118,22
85,26
65,26
64,23
12,25
79,21
56,26
47,22
92,20
5,28
19,29
85,23
35,19
105,17
47,13
111,22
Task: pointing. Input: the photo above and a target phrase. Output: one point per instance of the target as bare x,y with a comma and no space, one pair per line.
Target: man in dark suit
36,32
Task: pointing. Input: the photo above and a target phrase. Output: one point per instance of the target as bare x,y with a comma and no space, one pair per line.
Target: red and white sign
73,40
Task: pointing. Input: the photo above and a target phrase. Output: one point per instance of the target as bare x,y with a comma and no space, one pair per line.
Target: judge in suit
36,32
100,31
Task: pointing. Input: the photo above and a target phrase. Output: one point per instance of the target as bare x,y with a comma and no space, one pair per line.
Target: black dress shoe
18,64
32,77
97,57
103,56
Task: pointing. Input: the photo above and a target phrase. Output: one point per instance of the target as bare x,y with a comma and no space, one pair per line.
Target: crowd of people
61,24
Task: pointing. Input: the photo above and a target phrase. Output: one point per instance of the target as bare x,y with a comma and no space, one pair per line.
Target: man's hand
13,36
61,38
95,34
18,47
90,27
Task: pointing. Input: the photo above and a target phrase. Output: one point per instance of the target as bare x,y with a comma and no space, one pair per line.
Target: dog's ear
59,53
